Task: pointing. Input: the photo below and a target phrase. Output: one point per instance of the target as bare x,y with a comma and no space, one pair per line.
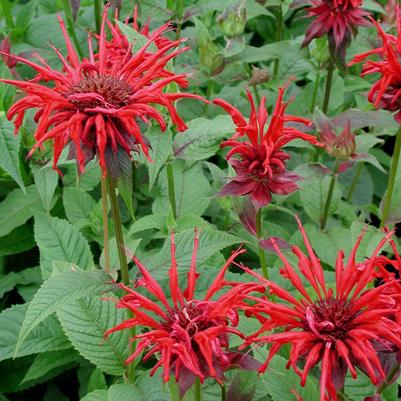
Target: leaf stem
391,181
329,195
279,35
223,392
197,390
105,226
98,12
315,90
329,81
5,5
171,188
71,26
259,236
354,182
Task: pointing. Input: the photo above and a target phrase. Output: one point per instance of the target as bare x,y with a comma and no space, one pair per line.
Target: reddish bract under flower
340,329
189,336
95,104
338,18
386,92
261,169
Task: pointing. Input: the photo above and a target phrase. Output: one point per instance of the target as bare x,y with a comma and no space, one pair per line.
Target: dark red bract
189,336
261,166
339,328
386,91
95,105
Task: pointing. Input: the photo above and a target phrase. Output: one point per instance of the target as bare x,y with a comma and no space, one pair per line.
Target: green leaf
17,208
135,38
313,195
210,242
97,395
24,277
47,361
59,241
203,137
9,148
96,381
151,221
46,182
124,392
85,321
58,290
18,240
47,336
78,205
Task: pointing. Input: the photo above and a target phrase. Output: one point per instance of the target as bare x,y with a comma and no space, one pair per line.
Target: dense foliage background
52,224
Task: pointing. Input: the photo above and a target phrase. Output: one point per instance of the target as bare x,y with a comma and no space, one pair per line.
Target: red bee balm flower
386,92
94,105
189,336
340,329
337,18
261,167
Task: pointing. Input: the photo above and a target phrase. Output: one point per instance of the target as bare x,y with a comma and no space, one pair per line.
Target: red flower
338,18
189,336
261,168
94,105
340,329
386,92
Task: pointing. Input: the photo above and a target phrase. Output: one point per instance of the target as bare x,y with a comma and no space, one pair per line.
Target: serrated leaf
58,290
151,221
85,321
46,182
17,208
210,242
24,277
136,39
59,241
47,336
203,137
97,395
78,205
124,392
9,149
47,361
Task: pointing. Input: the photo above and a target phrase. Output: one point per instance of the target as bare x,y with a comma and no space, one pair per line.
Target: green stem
259,236
105,226
98,14
173,390
354,182
329,81
279,35
179,10
171,188
223,392
392,177
197,390
5,5
315,90
71,26
329,195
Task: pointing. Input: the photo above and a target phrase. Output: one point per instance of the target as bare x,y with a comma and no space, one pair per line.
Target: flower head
340,328
189,336
338,18
386,92
260,168
94,105
340,146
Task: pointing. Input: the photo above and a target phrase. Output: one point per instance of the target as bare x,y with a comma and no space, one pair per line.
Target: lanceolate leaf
85,321
58,290
9,148
59,241
46,181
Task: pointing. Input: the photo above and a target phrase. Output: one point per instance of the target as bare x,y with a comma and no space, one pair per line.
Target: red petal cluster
342,330
261,169
386,92
338,18
189,336
95,105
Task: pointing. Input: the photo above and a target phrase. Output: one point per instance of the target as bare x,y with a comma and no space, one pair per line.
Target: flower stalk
259,236
315,90
97,6
105,226
330,195
279,36
5,6
329,81
197,390
391,181
171,188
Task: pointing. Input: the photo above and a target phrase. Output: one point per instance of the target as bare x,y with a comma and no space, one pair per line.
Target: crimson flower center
191,318
330,318
99,91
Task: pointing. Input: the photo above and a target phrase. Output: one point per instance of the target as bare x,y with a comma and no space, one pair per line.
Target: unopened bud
233,20
259,76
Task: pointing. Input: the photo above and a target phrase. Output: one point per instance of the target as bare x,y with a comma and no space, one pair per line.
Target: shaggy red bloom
261,169
338,18
345,328
94,105
188,336
386,92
